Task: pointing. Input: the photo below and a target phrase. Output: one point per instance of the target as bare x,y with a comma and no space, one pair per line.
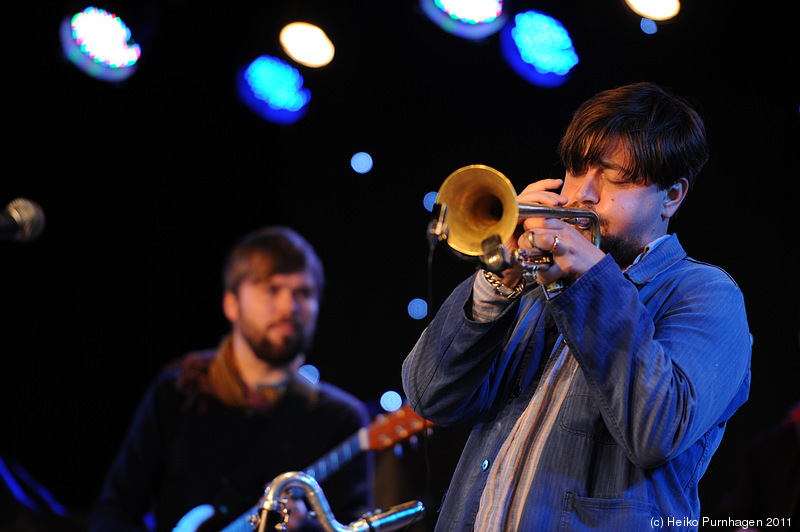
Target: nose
587,189
287,302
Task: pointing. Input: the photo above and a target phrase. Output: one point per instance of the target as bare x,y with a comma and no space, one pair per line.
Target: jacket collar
656,261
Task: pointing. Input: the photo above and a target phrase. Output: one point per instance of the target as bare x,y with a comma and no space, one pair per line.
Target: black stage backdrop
146,184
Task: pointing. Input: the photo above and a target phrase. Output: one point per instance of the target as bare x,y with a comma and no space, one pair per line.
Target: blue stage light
276,83
274,89
539,48
543,42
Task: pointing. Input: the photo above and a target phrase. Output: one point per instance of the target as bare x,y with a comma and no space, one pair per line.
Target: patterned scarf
203,375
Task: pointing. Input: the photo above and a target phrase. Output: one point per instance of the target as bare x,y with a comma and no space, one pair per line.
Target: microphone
22,220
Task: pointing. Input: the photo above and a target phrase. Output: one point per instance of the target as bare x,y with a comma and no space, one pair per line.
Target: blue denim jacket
664,360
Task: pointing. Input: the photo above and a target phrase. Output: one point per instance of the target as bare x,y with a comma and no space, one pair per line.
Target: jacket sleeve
661,376
452,373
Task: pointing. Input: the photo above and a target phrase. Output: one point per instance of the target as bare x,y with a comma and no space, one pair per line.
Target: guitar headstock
394,427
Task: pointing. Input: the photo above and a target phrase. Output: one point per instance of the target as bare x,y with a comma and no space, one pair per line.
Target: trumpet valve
530,258
584,224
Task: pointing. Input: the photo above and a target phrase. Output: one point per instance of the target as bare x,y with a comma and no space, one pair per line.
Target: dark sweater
179,454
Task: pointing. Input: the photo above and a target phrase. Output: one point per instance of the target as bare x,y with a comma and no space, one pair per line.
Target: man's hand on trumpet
573,253
537,192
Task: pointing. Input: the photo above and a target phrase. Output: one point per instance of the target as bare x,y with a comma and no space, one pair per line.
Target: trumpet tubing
481,202
479,211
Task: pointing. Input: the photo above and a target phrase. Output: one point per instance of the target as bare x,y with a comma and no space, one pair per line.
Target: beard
272,353
623,249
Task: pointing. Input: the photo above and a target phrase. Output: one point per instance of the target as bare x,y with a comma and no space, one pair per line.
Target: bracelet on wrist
502,289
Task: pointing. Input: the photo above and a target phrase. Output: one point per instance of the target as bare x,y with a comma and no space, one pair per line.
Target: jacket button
485,465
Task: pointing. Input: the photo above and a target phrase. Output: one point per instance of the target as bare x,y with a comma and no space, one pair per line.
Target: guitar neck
242,523
320,470
383,432
341,455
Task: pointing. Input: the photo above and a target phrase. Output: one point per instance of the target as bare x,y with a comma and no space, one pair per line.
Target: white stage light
655,9
470,19
99,43
307,44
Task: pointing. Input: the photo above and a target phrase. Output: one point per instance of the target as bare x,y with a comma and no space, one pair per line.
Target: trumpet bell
480,202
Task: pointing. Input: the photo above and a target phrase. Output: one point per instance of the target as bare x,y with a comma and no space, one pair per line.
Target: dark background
147,183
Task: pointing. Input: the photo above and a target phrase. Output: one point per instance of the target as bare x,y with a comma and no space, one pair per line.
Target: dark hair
268,251
664,135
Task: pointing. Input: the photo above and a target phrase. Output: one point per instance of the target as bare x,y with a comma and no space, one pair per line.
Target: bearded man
218,425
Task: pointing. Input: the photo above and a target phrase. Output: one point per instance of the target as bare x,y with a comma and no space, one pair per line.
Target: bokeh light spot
391,401
429,200
361,162
310,372
418,308
648,26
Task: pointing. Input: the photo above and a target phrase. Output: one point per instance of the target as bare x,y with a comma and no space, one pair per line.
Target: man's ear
230,306
674,197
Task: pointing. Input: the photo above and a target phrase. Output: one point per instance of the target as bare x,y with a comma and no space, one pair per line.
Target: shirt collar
648,248
657,257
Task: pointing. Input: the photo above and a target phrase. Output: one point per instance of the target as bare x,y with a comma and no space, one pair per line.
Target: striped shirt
503,498
506,491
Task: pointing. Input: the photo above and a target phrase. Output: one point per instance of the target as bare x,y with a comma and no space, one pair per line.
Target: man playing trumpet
596,407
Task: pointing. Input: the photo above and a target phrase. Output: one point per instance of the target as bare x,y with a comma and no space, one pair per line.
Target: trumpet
478,211
273,503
